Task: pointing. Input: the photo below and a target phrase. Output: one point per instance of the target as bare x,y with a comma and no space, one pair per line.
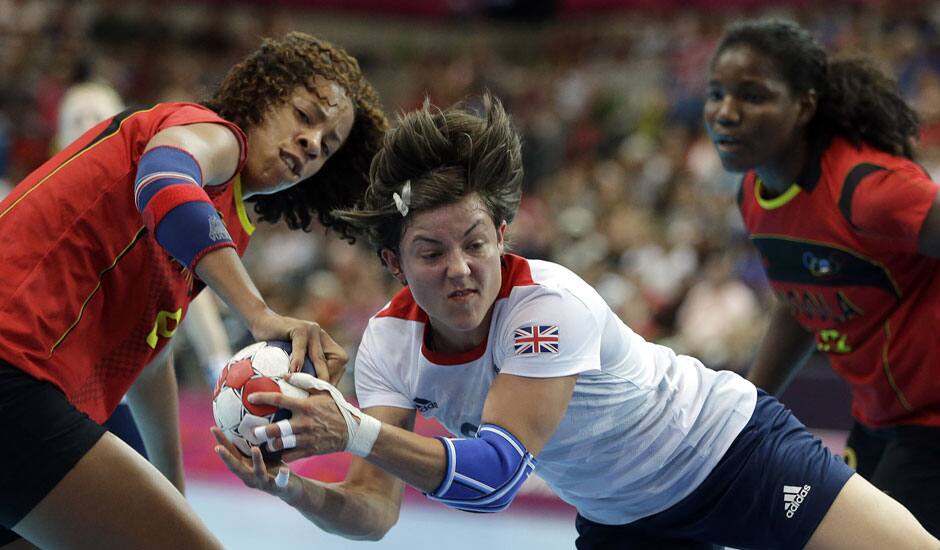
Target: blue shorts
771,489
122,424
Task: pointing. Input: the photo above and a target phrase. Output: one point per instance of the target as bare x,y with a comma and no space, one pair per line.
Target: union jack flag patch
536,339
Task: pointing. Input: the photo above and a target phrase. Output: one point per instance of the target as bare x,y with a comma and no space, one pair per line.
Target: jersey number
160,329
832,341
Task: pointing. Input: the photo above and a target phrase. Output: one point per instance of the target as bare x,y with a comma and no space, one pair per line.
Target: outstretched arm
530,408
205,330
784,349
176,164
363,506
520,415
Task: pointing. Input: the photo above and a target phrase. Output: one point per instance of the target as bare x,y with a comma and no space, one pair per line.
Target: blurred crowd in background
622,184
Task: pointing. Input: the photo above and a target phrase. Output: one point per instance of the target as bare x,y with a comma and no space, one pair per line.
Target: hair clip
403,201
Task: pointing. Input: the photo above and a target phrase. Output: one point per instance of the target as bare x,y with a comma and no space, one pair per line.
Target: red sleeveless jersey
840,249
87,296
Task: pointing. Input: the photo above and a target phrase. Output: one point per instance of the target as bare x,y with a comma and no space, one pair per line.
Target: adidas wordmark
793,496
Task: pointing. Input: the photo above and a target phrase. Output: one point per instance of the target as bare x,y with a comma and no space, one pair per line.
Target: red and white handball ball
259,367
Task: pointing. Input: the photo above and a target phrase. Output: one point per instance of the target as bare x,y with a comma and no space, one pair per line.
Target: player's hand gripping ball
259,367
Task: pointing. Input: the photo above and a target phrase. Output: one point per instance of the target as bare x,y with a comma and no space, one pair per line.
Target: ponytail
862,104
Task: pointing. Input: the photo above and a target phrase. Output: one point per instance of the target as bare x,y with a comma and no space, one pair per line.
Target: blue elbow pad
485,473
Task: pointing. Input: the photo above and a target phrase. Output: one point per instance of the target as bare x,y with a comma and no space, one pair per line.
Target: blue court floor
245,519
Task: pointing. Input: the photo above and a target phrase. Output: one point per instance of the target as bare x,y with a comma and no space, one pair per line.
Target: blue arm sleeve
168,193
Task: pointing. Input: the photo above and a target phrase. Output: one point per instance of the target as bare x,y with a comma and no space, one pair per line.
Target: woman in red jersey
849,232
104,246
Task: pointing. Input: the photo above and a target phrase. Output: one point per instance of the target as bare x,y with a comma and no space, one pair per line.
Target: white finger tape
289,441
282,477
261,434
284,426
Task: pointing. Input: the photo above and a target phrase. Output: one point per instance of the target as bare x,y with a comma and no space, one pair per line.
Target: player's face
295,138
450,257
750,113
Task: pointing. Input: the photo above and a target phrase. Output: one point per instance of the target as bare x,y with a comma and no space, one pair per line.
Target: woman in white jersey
527,366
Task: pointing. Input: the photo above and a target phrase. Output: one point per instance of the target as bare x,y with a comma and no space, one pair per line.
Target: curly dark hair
265,79
855,99
445,155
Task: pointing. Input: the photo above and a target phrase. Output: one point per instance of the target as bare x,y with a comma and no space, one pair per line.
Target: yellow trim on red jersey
240,206
887,272
81,311
776,202
887,369
73,157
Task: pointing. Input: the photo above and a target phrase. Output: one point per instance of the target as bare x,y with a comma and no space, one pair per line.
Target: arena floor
248,520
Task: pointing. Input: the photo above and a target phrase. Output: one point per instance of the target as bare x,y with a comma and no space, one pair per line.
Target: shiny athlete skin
775,100
294,122
289,146
297,138
754,119
457,295
757,122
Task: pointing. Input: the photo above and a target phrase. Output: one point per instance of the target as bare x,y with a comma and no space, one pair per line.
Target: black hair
855,99
266,78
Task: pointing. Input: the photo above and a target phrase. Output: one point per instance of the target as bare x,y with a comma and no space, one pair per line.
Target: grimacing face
751,115
295,138
450,257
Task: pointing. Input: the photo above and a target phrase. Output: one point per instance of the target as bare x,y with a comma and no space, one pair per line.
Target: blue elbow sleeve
168,193
485,473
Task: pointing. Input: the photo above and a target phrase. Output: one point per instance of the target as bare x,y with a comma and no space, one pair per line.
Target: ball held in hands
260,367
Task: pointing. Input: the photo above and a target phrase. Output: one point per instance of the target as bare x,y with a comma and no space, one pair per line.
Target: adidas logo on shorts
793,496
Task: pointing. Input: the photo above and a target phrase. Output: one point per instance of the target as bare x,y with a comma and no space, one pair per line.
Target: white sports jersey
643,428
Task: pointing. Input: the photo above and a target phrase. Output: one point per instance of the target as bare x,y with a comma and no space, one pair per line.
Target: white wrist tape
361,429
